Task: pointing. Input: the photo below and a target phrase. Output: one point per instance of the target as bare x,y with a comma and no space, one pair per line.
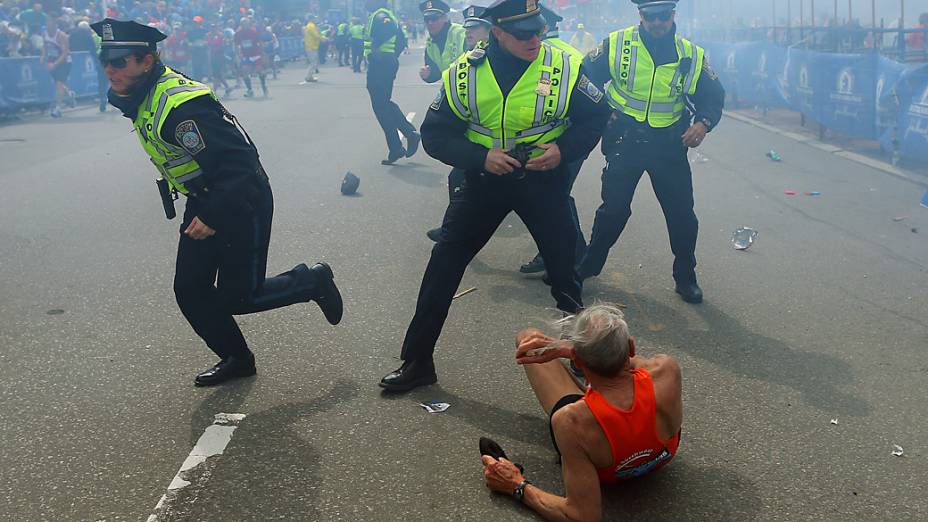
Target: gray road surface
824,318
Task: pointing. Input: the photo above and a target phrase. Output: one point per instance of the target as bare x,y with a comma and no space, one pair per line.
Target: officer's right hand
500,163
425,72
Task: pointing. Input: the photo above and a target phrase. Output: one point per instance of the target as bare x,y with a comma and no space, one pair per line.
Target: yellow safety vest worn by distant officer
389,46
646,93
534,112
555,41
454,46
357,31
176,165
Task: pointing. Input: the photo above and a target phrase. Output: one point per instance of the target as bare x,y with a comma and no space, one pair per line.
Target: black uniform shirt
228,161
440,40
443,133
385,28
709,98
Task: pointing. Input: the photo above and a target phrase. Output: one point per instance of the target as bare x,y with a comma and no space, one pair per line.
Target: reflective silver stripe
541,129
692,73
632,102
635,34
456,99
564,84
187,177
472,93
540,98
633,65
186,88
178,162
480,129
663,107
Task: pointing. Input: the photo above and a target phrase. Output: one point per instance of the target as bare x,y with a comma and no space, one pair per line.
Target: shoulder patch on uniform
189,137
436,103
707,70
589,88
595,53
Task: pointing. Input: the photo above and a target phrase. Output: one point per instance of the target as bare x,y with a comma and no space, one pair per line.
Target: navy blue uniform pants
672,180
381,72
472,217
224,275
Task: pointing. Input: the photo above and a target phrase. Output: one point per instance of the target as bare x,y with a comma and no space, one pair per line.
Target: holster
168,195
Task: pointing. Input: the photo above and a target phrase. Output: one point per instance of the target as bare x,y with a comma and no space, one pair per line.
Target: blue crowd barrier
291,48
26,82
860,95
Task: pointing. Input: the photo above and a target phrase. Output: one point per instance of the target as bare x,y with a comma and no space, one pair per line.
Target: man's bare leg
550,381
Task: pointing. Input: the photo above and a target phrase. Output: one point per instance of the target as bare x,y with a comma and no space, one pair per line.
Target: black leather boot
326,294
412,374
690,291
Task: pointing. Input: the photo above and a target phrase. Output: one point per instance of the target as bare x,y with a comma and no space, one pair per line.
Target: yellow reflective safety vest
389,46
175,164
534,111
643,91
356,31
454,46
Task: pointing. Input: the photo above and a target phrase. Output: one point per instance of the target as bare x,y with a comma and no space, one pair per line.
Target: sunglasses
663,16
526,36
432,18
115,63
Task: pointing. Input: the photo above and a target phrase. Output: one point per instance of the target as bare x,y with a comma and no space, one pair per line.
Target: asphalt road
823,318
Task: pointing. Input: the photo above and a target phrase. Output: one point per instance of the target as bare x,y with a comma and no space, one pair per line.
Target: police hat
473,16
655,6
119,38
433,8
550,16
520,15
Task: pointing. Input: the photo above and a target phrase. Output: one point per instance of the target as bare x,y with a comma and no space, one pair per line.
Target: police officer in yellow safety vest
384,41
199,152
356,31
445,41
476,30
553,38
512,114
665,98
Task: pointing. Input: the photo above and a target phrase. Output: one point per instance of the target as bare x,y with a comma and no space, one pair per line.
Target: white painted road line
213,442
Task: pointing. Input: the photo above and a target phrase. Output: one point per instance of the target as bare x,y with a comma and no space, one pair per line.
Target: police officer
445,41
476,30
552,37
502,116
356,31
341,43
666,98
383,43
195,144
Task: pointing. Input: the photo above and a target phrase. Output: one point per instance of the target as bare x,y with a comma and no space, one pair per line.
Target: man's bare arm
581,483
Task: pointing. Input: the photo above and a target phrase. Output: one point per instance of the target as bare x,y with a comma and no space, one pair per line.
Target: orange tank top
636,447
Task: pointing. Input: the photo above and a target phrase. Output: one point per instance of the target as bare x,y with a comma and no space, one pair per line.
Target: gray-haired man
625,424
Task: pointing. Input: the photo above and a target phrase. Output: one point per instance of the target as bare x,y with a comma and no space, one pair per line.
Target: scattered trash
56,311
789,192
640,266
464,292
899,218
834,421
914,230
435,406
897,450
698,157
813,193
774,155
350,184
743,238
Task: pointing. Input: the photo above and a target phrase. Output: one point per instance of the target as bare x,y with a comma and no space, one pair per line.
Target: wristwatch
707,122
519,492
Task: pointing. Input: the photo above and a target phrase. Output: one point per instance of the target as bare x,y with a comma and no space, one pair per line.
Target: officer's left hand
547,161
694,135
425,72
198,229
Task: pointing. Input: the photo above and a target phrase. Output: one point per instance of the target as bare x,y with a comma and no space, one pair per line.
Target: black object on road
350,184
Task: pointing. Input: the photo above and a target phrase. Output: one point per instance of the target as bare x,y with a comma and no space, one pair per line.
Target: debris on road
925,200
813,193
834,421
914,230
350,184
897,450
435,406
789,192
743,238
55,311
698,157
899,218
774,155
464,292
